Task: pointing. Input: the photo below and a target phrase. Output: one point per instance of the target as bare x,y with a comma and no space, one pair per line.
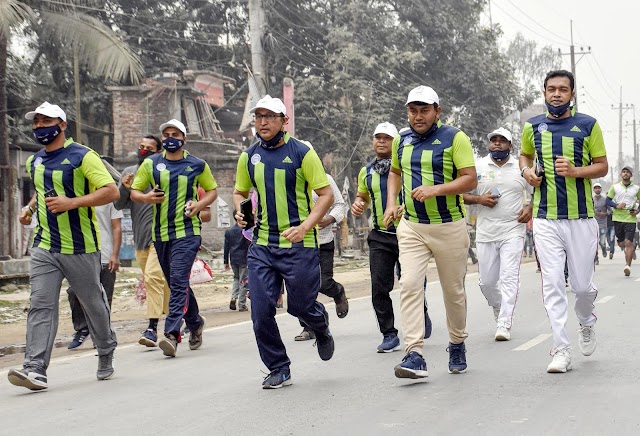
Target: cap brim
30,115
165,125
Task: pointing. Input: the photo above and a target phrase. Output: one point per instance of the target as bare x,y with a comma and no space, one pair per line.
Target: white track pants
576,241
499,267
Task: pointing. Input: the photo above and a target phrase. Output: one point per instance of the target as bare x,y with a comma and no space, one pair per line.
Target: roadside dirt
129,317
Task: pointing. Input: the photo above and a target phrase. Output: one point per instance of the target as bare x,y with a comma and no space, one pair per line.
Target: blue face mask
46,135
558,111
272,142
500,155
172,144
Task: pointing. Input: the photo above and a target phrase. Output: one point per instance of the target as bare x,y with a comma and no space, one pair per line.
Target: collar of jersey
185,153
511,161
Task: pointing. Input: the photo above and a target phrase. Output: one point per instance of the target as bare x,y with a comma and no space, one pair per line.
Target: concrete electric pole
572,53
622,109
257,24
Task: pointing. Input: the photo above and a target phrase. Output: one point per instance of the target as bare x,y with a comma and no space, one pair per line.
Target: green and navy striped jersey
577,138
375,185
179,179
431,159
73,171
284,178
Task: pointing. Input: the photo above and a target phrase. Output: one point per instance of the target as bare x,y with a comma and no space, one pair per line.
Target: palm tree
98,47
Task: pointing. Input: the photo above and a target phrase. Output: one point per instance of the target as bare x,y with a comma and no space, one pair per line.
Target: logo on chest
256,159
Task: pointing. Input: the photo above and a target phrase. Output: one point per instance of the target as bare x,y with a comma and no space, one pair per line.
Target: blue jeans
611,238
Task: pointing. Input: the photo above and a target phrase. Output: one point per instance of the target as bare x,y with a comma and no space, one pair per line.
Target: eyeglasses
268,117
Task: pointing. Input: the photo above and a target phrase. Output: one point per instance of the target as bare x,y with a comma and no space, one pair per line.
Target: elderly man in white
501,227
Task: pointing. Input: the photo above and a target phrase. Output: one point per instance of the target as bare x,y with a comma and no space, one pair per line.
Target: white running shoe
496,312
627,270
561,361
587,340
502,332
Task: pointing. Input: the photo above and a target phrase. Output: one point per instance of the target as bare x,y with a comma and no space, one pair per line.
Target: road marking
533,342
637,280
605,299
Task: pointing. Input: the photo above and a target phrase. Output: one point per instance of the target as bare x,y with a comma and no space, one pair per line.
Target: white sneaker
627,270
502,333
496,312
587,340
561,361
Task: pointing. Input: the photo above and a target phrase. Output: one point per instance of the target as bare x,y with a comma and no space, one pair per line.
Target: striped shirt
73,171
577,138
179,179
284,178
431,160
375,184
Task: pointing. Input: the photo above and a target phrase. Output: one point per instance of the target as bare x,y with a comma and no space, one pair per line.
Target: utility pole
636,153
76,87
258,56
621,111
572,53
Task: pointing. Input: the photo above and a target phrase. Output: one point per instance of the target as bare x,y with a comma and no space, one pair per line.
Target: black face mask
433,128
557,111
143,153
272,142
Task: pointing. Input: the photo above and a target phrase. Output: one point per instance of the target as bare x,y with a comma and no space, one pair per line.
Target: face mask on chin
500,155
272,142
46,135
557,111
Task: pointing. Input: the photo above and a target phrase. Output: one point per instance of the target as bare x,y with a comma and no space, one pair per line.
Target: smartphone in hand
51,193
246,209
496,191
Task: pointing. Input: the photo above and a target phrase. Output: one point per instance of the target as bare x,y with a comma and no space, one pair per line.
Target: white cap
597,185
500,132
423,94
386,128
174,123
48,110
274,105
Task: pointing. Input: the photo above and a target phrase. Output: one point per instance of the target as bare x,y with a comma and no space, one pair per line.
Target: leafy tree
97,45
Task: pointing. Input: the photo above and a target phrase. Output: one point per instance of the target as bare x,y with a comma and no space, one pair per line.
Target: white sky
612,31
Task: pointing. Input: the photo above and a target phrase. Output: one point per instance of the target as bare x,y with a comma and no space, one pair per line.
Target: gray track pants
82,271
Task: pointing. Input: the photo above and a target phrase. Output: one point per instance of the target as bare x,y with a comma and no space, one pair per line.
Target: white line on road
533,342
605,299
637,280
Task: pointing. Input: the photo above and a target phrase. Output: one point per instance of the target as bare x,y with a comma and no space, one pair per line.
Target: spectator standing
235,257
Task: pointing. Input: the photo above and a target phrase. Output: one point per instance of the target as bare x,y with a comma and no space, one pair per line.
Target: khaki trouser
448,244
154,282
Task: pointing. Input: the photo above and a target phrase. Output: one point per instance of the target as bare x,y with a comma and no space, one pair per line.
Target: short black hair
155,138
561,73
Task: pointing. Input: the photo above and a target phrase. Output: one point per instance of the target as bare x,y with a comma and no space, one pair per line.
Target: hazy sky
612,30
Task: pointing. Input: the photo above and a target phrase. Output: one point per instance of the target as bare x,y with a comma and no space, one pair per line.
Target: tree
355,62
99,48
530,66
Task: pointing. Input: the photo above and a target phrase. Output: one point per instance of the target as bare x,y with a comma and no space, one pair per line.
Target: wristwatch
523,170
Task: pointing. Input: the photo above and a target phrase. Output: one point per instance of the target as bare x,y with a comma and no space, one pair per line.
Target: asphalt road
216,390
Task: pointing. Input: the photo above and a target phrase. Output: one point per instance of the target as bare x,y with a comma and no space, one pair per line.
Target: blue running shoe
412,366
78,339
457,358
277,379
428,327
389,343
149,338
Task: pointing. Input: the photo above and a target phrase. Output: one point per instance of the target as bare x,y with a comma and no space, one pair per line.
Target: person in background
235,257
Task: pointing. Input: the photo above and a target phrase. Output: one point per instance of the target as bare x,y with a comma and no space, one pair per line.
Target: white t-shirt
500,222
105,214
